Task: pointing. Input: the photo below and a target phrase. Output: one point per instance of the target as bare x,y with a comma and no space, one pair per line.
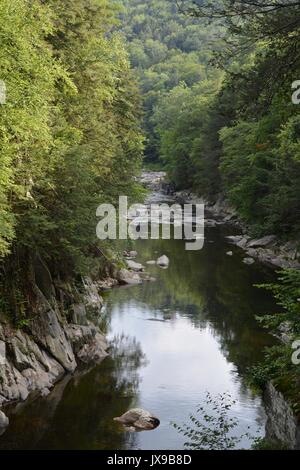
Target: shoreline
268,249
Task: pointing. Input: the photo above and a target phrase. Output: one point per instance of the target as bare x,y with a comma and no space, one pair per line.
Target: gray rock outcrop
52,343
128,277
282,425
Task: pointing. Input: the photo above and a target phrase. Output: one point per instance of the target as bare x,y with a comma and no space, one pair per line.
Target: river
191,331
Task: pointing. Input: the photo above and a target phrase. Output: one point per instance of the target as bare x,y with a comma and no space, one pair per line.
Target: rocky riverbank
61,334
63,330
269,249
282,424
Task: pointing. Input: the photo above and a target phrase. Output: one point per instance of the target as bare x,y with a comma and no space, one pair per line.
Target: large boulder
261,242
129,277
163,261
89,344
137,267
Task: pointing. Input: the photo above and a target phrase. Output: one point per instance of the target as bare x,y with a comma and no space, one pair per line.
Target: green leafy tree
212,428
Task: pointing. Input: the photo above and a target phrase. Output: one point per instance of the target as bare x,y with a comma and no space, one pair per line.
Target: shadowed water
191,331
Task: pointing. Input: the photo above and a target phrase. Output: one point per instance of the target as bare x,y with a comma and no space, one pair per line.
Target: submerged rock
229,253
248,261
138,420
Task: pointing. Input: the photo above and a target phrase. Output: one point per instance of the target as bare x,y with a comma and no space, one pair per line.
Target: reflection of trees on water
128,358
79,412
210,289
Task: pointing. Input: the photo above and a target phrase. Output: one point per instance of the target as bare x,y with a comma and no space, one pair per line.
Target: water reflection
191,331
79,412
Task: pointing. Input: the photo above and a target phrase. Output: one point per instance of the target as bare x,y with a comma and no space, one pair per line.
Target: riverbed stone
248,261
163,261
137,267
133,254
128,277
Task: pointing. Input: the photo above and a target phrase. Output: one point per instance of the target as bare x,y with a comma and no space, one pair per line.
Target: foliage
267,444
70,133
212,428
231,129
277,364
166,49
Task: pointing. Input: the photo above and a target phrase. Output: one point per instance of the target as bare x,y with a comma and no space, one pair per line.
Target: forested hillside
70,136
167,50
219,112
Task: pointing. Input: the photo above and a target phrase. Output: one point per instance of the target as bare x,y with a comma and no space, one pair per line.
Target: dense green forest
95,89
167,50
70,135
216,81
217,113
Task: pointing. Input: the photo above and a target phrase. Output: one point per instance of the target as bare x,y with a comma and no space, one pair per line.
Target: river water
191,331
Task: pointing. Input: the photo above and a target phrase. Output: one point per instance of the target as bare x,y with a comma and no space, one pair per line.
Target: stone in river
134,266
163,261
138,420
129,277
